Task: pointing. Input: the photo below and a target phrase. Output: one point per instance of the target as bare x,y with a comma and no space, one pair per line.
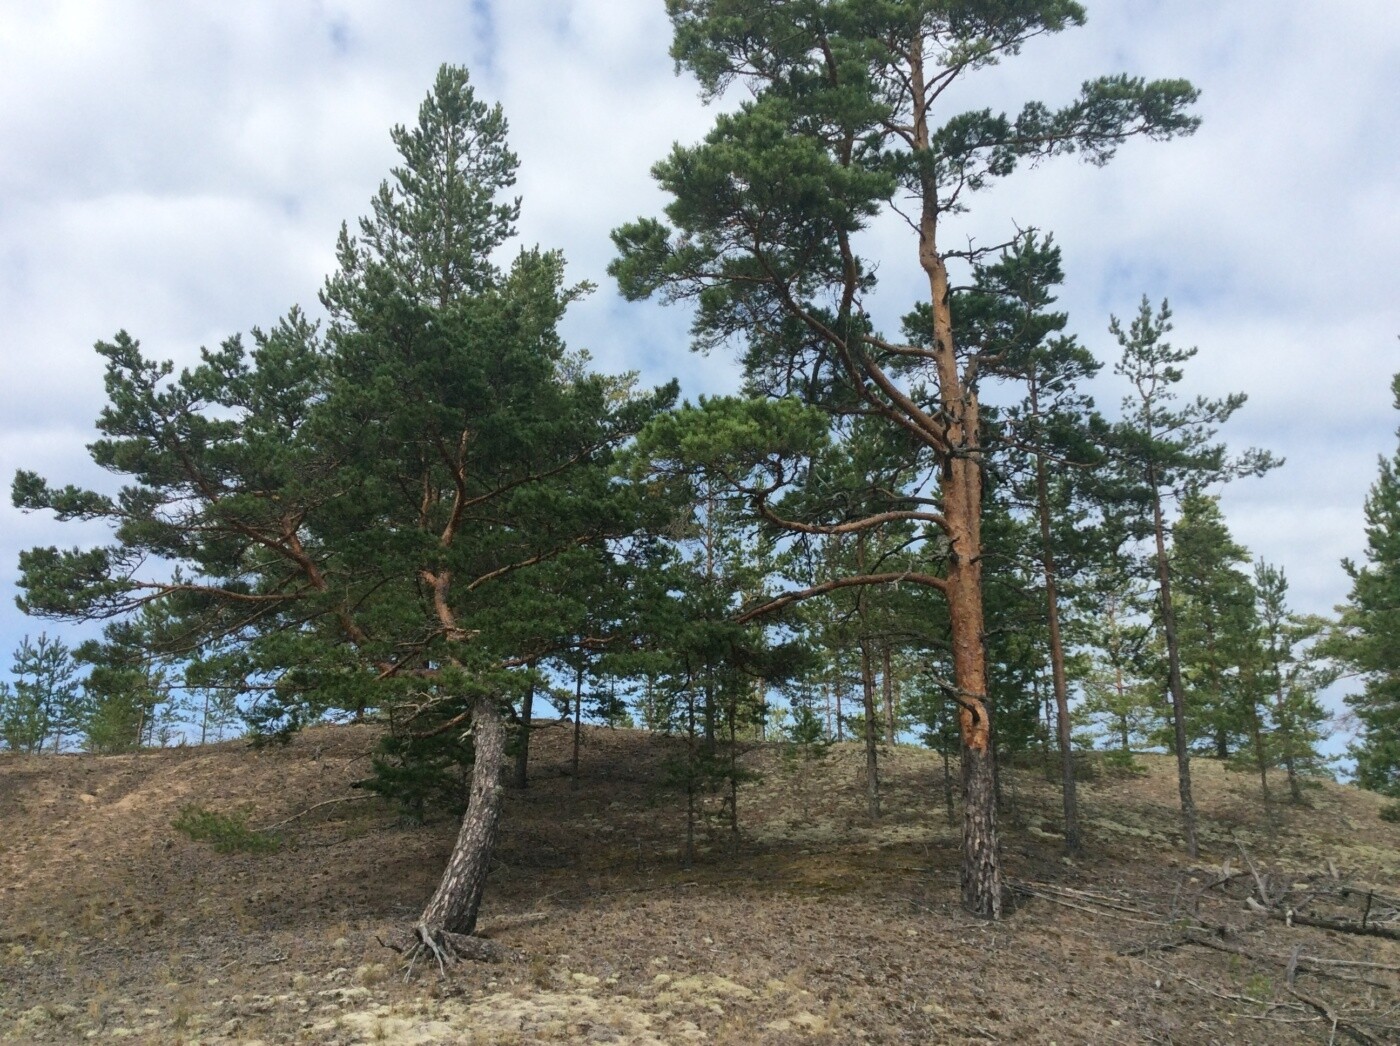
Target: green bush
229,833
1119,763
1391,812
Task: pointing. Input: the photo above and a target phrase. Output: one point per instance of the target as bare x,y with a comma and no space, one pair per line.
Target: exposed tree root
443,947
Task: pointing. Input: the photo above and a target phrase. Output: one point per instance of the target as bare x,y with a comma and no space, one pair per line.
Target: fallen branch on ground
309,809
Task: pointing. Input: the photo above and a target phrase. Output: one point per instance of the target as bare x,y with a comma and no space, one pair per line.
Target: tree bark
522,751
454,907
957,441
947,784
578,722
1057,652
887,680
1261,762
1178,695
981,867
872,755
839,688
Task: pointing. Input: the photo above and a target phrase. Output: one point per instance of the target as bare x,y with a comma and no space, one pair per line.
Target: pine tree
1047,431
1215,614
43,706
1121,682
1294,673
844,121
358,514
1161,450
1368,636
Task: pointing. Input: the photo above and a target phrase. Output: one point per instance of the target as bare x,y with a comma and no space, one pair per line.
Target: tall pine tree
846,118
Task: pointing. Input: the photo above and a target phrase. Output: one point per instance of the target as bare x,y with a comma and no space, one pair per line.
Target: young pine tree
1368,635
1160,450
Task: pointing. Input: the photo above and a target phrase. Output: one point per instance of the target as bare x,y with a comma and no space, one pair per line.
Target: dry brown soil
816,925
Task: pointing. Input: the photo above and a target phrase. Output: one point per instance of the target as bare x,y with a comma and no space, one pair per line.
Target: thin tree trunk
947,784
1261,759
1183,756
731,713
1295,791
1285,731
522,751
454,907
688,857
710,716
887,680
1057,651
840,688
578,721
1120,688
872,756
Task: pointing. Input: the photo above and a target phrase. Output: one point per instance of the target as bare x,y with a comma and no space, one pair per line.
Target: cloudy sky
180,171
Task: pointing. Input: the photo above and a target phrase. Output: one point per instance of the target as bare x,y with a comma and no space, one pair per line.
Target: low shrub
229,833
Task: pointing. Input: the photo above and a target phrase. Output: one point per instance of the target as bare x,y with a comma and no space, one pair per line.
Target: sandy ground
816,925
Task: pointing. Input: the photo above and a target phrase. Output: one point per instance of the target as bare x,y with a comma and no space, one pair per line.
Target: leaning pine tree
356,516
845,118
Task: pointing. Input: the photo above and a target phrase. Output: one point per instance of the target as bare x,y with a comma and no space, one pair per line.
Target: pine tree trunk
688,856
454,907
887,680
522,751
578,723
1178,695
1285,729
872,756
1261,760
981,859
981,866
956,439
947,785
1057,653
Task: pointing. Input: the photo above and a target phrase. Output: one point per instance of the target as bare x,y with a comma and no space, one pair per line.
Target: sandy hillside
815,926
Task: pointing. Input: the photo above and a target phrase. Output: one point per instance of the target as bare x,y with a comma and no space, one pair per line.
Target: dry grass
814,926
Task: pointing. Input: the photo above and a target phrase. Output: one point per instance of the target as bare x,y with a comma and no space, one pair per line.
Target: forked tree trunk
454,907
